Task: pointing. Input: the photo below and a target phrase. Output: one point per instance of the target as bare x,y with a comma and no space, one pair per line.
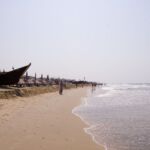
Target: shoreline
89,126
44,122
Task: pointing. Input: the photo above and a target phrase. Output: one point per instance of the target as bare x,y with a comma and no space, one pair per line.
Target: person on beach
93,87
60,87
76,84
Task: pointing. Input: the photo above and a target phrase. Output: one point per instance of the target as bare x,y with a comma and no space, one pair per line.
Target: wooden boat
12,77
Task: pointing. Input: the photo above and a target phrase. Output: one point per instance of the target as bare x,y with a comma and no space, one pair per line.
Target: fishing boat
13,77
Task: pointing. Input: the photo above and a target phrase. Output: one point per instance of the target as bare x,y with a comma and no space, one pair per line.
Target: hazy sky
103,40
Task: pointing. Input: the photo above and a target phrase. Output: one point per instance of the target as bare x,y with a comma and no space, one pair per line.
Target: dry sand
44,122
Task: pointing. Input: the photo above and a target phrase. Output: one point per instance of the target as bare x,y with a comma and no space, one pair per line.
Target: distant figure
26,75
35,77
42,77
76,84
93,87
60,87
47,77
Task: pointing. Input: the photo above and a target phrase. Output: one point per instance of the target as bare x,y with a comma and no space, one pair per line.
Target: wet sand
44,122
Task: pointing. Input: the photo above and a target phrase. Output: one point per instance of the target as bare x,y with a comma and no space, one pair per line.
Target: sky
101,40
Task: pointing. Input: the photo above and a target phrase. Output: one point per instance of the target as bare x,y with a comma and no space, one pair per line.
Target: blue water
118,116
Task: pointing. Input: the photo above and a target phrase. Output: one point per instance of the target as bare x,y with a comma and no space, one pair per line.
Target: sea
118,116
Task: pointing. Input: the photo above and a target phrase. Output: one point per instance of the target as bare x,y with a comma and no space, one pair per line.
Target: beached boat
12,77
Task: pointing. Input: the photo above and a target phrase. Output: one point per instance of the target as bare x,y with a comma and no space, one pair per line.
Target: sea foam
118,116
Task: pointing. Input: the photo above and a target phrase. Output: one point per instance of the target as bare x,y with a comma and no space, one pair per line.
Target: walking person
60,87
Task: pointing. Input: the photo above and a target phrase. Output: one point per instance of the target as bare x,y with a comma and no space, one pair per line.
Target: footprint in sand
6,114
43,138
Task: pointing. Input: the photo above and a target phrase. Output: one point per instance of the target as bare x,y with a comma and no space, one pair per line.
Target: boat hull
13,77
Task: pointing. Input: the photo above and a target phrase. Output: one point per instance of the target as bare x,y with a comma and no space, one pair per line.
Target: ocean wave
118,116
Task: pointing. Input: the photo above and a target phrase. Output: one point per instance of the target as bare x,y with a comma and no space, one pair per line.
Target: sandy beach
44,122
